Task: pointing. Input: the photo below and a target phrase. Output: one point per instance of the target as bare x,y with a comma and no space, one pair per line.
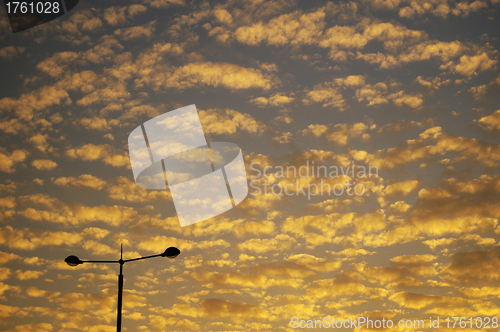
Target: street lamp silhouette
170,252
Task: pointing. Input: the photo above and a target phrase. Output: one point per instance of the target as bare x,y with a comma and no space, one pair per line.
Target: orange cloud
104,152
7,161
228,75
84,180
44,164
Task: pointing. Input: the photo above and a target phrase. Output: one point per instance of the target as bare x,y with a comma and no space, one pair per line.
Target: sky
408,90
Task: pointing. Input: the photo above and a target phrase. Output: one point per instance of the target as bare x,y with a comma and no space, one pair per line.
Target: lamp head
171,252
73,260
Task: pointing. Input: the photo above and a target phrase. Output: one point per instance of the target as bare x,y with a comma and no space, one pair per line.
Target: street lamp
170,252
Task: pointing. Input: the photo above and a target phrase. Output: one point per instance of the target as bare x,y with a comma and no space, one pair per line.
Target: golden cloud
473,267
7,161
104,152
84,180
227,75
492,121
44,164
11,52
219,122
37,100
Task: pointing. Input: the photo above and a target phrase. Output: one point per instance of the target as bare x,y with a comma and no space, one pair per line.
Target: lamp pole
72,260
120,292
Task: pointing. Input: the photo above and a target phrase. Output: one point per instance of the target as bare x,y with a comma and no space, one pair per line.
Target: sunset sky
409,88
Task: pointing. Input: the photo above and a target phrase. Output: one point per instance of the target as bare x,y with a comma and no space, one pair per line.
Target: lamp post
170,252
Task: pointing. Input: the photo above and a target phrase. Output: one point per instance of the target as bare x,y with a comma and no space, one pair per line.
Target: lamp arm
100,261
136,259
